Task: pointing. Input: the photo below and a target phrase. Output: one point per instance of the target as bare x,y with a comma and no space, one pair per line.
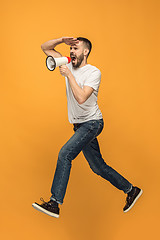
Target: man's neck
83,63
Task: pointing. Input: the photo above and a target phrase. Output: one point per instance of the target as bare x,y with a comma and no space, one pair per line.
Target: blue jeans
84,139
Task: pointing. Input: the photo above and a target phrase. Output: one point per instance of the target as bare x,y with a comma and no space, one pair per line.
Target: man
82,84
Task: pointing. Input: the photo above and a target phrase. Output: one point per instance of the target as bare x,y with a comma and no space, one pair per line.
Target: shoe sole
37,207
135,200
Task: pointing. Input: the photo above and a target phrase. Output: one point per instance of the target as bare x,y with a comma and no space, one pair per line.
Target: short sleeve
93,80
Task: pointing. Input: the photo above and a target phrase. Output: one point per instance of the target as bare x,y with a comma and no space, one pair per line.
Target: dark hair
87,43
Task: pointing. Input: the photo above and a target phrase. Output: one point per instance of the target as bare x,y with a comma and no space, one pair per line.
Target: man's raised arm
49,46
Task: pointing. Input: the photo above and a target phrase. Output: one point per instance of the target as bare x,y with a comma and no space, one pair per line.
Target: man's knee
64,154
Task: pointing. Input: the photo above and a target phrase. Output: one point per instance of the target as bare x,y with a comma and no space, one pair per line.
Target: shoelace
129,199
44,203
50,203
42,200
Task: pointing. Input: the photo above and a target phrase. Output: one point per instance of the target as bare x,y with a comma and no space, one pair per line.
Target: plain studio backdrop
34,120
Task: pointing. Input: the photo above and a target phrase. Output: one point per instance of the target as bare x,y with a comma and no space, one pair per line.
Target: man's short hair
87,43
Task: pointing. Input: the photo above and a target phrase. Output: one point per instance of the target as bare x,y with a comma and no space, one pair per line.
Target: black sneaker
50,208
132,197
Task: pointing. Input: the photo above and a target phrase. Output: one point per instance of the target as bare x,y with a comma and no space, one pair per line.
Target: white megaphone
52,62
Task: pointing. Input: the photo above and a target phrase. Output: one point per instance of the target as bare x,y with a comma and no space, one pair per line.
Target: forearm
78,92
81,95
51,44
49,47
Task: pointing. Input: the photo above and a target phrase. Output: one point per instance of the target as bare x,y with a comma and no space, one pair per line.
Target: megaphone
52,62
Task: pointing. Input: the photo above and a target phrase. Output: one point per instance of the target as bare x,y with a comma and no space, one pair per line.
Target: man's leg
97,164
82,136
84,133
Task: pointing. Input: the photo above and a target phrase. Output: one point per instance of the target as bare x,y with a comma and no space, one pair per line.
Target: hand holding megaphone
52,62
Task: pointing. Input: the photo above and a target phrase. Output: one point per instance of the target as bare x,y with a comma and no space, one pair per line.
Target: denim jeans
84,139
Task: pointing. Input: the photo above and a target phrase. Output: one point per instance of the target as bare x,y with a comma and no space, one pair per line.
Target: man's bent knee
64,154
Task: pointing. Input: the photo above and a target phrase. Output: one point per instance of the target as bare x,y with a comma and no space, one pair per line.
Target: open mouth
73,58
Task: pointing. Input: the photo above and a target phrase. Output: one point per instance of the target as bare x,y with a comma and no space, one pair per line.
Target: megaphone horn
52,62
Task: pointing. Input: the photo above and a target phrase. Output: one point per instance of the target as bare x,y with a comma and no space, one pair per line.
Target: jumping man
82,85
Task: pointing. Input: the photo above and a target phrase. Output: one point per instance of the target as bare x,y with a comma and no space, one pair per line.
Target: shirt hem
86,120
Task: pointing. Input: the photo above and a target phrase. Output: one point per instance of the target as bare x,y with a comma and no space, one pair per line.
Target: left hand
70,40
64,70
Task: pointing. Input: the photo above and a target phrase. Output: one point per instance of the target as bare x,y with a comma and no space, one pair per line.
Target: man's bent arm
81,95
49,47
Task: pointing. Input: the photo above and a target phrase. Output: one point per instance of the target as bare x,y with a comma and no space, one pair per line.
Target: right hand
70,40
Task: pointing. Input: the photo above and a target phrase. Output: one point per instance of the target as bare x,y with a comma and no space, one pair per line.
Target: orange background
34,121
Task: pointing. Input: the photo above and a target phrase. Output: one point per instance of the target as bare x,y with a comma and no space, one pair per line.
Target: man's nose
71,50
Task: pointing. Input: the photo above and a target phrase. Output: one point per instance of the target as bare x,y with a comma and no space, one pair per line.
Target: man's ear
86,51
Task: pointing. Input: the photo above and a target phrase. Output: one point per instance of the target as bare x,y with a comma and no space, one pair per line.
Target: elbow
42,47
81,101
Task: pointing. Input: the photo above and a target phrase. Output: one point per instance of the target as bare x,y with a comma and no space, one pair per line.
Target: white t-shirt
87,75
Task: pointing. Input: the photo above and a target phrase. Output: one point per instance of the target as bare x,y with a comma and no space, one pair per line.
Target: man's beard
79,61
